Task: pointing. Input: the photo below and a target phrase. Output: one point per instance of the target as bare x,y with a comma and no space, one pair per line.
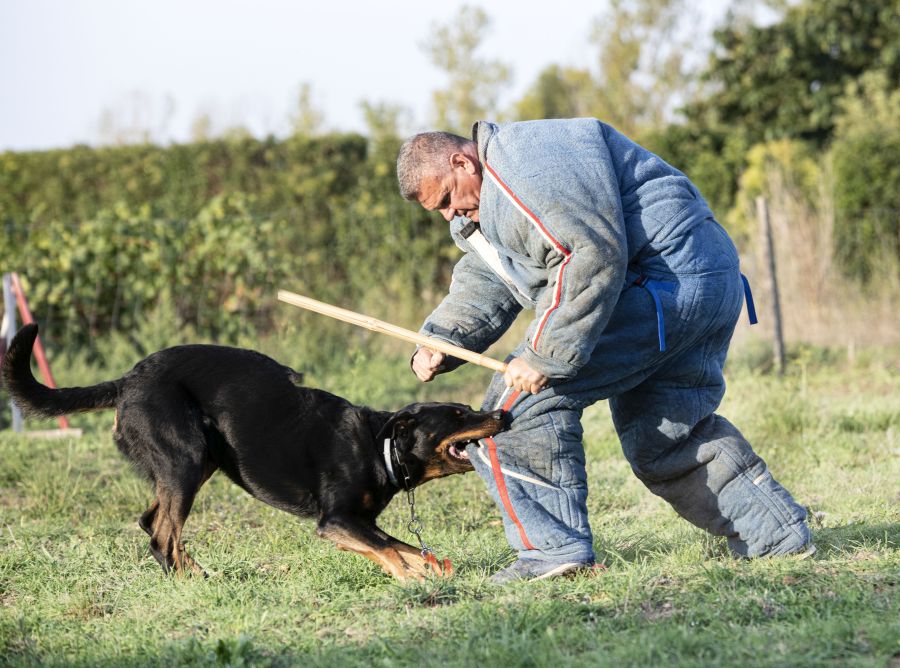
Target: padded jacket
568,207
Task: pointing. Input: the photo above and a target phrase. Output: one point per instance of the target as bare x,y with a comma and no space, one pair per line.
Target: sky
161,64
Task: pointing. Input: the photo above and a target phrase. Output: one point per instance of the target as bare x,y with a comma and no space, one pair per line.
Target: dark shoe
535,569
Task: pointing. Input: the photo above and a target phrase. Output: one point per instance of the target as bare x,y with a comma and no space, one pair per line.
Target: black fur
186,411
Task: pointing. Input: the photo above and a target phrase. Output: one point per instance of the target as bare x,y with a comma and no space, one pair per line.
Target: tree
865,156
639,79
474,83
785,79
558,92
306,118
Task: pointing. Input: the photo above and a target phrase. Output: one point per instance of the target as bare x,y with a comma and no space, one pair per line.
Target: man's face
457,192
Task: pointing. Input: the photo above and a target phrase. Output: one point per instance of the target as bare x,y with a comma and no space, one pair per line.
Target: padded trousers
663,406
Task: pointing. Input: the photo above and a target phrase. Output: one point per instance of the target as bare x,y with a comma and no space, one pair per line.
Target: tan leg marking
398,559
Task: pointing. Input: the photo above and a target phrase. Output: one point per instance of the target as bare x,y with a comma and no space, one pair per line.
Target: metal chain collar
414,526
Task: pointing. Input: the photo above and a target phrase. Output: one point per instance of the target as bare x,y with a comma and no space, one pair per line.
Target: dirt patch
657,610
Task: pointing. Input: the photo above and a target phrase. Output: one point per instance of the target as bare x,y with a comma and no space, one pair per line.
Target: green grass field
78,585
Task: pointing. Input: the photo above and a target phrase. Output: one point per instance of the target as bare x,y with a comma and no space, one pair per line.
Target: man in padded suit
636,290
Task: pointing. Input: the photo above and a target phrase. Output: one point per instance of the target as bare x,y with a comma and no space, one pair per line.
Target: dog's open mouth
458,450
459,441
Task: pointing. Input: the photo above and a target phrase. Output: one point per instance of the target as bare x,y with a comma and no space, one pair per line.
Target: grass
78,586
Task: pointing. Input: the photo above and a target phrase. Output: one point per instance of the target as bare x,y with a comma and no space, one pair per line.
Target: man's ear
463,161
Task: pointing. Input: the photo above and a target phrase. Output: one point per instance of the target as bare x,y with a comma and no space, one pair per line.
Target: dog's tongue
462,454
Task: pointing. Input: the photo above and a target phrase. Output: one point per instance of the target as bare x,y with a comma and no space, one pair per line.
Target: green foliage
779,170
101,236
713,160
866,161
638,71
76,184
639,58
106,272
824,76
307,119
558,92
785,79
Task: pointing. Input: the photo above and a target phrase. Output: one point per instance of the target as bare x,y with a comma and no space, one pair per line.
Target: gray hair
425,154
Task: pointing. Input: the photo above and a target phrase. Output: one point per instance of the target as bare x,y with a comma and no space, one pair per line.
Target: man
636,291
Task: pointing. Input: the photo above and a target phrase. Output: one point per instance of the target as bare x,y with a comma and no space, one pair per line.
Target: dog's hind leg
148,517
165,519
165,541
164,435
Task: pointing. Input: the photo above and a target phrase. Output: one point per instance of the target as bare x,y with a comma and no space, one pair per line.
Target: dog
184,412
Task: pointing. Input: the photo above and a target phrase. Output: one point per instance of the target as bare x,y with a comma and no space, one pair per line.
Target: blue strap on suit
653,287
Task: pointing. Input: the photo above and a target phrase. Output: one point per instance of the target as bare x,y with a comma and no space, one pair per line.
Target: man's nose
448,214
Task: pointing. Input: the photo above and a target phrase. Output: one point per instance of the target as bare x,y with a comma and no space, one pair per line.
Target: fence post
9,322
768,250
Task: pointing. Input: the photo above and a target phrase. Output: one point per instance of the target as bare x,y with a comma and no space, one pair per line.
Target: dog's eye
458,413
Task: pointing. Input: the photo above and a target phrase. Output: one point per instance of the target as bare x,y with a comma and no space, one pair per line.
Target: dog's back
247,412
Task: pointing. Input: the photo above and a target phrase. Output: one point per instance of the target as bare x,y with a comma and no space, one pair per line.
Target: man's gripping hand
520,376
427,363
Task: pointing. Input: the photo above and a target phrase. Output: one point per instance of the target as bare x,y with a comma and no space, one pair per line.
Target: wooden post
768,250
9,326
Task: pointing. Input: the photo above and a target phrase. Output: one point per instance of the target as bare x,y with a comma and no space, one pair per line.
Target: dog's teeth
457,453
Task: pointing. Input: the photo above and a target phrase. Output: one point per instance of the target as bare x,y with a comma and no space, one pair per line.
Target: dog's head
431,439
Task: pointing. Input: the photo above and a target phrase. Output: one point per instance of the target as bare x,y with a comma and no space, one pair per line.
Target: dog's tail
37,399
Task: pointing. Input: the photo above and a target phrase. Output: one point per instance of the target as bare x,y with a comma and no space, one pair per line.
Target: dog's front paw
418,567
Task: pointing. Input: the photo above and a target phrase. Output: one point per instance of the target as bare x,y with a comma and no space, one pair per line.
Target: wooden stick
391,330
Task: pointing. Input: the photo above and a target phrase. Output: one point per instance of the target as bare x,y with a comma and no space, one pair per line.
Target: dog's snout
501,416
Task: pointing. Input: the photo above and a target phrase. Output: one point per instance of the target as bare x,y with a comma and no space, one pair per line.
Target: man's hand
520,376
426,364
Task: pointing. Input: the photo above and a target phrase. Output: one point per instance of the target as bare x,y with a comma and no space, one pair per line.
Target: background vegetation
803,110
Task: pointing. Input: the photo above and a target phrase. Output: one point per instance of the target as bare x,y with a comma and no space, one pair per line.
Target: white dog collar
388,461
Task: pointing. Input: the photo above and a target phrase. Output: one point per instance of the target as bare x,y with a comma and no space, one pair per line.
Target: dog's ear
399,428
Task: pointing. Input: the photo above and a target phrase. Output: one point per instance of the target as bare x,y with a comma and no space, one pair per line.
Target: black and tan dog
186,411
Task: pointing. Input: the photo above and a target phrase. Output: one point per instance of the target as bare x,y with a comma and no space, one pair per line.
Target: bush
107,272
77,184
100,236
711,159
866,162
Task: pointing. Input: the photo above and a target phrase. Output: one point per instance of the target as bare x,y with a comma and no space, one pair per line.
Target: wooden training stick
389,329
